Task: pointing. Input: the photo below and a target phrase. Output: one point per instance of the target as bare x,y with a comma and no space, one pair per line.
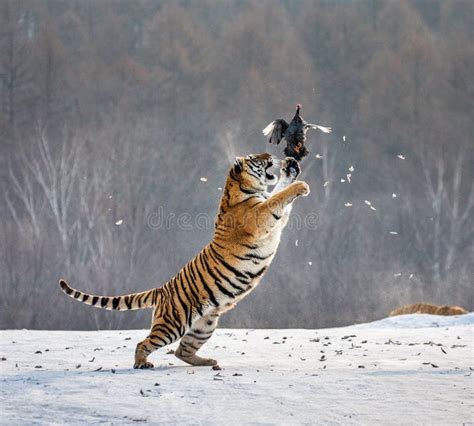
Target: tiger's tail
143,300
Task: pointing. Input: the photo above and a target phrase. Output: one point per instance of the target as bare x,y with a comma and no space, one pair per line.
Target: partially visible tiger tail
143,300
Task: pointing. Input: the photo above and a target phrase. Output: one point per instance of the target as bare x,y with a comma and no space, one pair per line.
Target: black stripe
156,292
253,205
226,279
256,256
255,173
206,287
65,287
95,299
157,338
250,246
115,302
85,297
147,296
104,301
163,326
184,305
219,233
194,294
257,274
218,245
248,191
239,257
276,216
243,280
190,345
174,316
77,294
128,301
217,282
216,252
232,269
202,339
185,351
174,321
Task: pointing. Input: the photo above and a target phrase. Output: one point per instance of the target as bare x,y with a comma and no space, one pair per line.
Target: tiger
428,308
247,230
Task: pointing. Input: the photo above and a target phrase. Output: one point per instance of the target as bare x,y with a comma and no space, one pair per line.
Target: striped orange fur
247,233
428,308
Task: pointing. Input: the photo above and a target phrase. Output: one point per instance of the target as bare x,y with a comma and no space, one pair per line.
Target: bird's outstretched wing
322,128
275,130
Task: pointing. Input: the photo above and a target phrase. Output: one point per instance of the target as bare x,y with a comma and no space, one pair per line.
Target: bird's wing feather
322,128
275,130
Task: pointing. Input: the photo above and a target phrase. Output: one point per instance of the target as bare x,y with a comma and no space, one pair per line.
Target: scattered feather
343,180
219,188
351,168
348,204
326,183
402,157
367,202
344,138
203,179
394,195
397,275
119,222
296,243
319,157
410,277
393,232
310,263
373,208
348,176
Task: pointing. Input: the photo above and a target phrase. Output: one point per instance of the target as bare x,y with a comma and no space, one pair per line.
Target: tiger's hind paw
196,360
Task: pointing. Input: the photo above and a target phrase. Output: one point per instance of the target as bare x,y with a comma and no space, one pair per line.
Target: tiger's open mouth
270,176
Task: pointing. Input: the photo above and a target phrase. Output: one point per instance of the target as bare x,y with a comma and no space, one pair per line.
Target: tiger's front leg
269,214
289,171
201,331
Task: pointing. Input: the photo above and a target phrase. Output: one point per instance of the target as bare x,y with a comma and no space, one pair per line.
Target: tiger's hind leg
200,333
161,334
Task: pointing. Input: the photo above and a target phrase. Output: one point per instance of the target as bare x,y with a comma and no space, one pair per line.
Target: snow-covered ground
414,369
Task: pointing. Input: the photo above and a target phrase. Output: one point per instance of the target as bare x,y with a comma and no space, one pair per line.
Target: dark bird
293,133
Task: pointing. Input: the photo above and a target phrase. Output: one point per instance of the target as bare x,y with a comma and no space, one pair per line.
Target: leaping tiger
248,227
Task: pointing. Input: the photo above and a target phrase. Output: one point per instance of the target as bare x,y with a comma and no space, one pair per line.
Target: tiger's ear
238,165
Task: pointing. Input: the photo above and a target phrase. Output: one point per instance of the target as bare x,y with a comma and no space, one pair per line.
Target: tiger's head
253,172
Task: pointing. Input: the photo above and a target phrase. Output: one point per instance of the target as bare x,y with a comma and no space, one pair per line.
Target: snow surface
403,370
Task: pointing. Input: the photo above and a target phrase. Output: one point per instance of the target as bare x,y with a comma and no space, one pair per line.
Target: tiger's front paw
143,365
290,168
302,189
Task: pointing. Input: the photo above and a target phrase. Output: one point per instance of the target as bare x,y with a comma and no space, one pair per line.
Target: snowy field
402,370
